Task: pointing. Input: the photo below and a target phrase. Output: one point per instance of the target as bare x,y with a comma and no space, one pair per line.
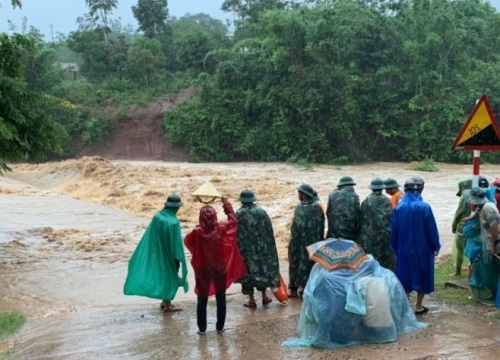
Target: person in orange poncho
392,189
216,261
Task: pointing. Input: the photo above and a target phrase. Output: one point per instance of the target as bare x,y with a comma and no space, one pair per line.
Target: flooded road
68,230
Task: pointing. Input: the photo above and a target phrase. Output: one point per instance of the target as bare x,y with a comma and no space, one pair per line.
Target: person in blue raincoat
415,241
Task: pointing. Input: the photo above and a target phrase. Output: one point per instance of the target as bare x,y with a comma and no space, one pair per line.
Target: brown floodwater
68,229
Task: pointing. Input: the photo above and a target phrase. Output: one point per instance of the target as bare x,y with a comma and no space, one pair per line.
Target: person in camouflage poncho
258,248
343,211
375,229
463,210
308,227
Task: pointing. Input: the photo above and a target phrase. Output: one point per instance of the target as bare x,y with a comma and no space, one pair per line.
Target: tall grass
10,322
447,294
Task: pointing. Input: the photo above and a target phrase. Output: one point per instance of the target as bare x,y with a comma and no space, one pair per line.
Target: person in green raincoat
463,210
375,231
258,248
153,269
308,227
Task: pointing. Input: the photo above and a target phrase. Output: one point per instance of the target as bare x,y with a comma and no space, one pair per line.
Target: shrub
426,165
96,130
10,322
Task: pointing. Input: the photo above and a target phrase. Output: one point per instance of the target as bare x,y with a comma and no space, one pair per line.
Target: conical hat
206,193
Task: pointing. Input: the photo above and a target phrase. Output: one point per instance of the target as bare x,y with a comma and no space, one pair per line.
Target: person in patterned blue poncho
415,240
354,303
258,248
308,227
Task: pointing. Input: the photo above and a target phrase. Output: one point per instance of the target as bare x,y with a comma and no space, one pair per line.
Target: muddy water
68,229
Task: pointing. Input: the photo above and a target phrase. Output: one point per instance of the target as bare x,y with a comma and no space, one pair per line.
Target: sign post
480,132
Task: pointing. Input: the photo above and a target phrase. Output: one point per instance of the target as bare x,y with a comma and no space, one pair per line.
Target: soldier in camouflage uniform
308,227
375,230
343,211
258,248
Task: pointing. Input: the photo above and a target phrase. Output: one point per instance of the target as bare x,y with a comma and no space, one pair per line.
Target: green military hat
377,184
247,196
307,190
464,184
391,183
345,181
173,200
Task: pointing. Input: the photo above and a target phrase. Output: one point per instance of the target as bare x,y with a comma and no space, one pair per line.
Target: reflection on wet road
143,332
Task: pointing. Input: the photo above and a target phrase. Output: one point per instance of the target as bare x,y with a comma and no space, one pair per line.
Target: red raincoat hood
208,217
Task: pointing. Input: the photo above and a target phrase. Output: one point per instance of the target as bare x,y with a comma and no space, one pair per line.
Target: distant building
71,70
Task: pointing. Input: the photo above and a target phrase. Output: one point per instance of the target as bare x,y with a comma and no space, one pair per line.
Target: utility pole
52,32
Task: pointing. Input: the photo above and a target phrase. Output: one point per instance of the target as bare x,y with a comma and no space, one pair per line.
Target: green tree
16,3
251,9
153,19
341,79
100,10
99,15
40,67
152,16
194,37
145,59
100,58
25,130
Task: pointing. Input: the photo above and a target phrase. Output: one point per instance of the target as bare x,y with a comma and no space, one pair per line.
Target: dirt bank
140,135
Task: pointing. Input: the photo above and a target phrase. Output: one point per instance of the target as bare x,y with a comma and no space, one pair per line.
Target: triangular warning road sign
481,131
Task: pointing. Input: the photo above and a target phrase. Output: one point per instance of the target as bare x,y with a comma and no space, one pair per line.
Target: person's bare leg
265,298
251,302
419,308
167,306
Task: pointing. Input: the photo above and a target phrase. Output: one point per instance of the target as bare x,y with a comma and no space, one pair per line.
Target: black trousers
201,312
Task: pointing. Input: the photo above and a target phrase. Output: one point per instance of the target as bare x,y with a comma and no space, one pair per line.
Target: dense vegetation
303,81
366,80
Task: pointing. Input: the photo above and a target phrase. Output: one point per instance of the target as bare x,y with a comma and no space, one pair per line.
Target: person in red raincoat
216,261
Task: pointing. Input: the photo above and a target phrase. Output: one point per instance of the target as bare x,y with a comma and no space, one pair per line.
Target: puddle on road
143,332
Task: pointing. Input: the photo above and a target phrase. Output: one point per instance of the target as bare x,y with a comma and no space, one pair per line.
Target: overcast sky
62,14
